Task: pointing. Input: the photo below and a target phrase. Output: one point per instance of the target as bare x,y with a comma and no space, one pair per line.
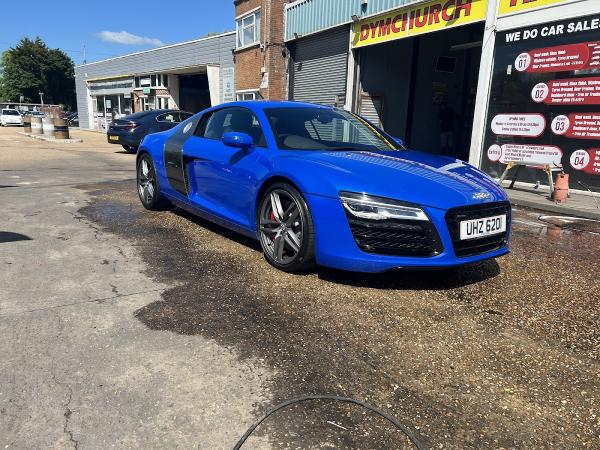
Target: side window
201,128
168,117
183,116
235,119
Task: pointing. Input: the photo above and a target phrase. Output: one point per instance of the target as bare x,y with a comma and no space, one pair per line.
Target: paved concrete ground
129,329
78,370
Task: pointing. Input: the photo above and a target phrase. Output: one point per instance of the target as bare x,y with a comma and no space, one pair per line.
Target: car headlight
378,208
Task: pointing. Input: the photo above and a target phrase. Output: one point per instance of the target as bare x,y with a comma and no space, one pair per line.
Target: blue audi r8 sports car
320,185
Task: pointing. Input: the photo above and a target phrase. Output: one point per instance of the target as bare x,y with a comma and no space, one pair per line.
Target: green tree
31,67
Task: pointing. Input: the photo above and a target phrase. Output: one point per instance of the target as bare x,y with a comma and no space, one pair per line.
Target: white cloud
125,38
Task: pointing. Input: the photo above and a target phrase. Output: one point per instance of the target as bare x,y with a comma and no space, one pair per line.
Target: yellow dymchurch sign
418,19
511,6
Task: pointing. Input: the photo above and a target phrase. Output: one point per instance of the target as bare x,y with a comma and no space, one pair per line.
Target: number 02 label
540,92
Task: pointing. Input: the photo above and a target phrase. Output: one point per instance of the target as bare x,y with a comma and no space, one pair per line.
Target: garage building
190,76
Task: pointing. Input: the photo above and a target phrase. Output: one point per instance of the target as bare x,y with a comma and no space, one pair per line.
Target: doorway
423,89
194,93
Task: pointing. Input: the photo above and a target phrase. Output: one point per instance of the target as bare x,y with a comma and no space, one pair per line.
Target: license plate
478,228
113,138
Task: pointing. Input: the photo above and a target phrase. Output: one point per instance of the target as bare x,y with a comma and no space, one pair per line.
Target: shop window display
544,107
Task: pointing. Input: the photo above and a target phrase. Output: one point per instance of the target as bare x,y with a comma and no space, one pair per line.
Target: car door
223,178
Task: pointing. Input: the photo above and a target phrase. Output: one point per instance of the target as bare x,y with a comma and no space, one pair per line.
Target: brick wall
248,62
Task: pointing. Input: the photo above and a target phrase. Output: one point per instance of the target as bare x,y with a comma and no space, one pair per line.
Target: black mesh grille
396,237
474,247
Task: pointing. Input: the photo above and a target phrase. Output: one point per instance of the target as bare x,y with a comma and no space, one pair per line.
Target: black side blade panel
174,165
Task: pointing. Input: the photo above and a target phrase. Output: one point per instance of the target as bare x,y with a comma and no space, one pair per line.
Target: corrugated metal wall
320,65
310,16
213,50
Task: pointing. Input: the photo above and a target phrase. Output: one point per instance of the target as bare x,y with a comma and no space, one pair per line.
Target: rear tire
147,185
130,149
285,229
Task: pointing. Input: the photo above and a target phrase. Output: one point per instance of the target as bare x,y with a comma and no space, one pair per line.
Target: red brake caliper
272,217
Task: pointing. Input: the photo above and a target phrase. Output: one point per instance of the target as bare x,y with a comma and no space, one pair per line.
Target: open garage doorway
423,88
194,92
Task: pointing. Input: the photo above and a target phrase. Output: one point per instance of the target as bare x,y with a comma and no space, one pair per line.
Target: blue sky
109,28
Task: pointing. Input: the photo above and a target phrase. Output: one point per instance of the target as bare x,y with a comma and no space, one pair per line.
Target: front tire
285,229
147,185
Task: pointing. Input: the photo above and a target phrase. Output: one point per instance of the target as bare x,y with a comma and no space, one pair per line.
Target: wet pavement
499,354
124,328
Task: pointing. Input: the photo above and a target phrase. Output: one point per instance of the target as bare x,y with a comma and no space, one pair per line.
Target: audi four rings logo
481,196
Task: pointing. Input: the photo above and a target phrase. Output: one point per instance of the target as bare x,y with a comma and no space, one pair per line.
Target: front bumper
337,248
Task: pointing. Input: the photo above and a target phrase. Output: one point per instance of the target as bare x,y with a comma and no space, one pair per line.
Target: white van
10,116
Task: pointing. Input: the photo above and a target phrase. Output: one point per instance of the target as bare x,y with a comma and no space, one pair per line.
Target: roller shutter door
320,68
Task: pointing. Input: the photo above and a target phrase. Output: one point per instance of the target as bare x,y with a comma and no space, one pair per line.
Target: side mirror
398,141
237,140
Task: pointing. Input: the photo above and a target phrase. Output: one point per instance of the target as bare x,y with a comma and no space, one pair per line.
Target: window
539,112
168,117
163,102
151,81
306,128
248,29
214,125
247,95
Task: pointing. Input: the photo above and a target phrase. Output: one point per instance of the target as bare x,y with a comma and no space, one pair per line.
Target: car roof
154,112
267,104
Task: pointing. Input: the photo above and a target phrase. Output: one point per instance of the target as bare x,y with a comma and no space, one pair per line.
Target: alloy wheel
146,187
281,226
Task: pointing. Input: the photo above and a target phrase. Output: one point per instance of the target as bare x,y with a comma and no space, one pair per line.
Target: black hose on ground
287,403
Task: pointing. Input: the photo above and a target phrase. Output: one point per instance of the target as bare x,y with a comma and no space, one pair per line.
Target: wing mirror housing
237,140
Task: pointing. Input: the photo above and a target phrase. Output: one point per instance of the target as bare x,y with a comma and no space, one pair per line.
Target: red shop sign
562,58
577,126
587,161
574,91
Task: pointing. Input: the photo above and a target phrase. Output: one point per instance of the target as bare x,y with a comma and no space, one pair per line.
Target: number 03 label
560,125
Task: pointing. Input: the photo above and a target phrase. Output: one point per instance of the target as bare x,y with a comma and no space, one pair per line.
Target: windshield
306,128
10,112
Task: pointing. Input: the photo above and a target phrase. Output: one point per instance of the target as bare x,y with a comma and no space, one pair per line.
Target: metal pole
105,116
484,83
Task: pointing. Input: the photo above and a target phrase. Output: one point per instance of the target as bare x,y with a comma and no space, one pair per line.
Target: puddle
572,223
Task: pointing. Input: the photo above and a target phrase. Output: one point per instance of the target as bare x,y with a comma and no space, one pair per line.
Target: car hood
416,177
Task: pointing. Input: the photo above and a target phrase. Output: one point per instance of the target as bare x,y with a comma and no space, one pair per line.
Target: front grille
486,244
396,237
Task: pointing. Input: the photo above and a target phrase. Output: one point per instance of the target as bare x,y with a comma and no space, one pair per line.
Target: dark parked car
129,131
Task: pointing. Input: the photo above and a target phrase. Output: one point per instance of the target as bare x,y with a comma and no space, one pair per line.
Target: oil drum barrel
36,125
27,124
48,126
61,129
